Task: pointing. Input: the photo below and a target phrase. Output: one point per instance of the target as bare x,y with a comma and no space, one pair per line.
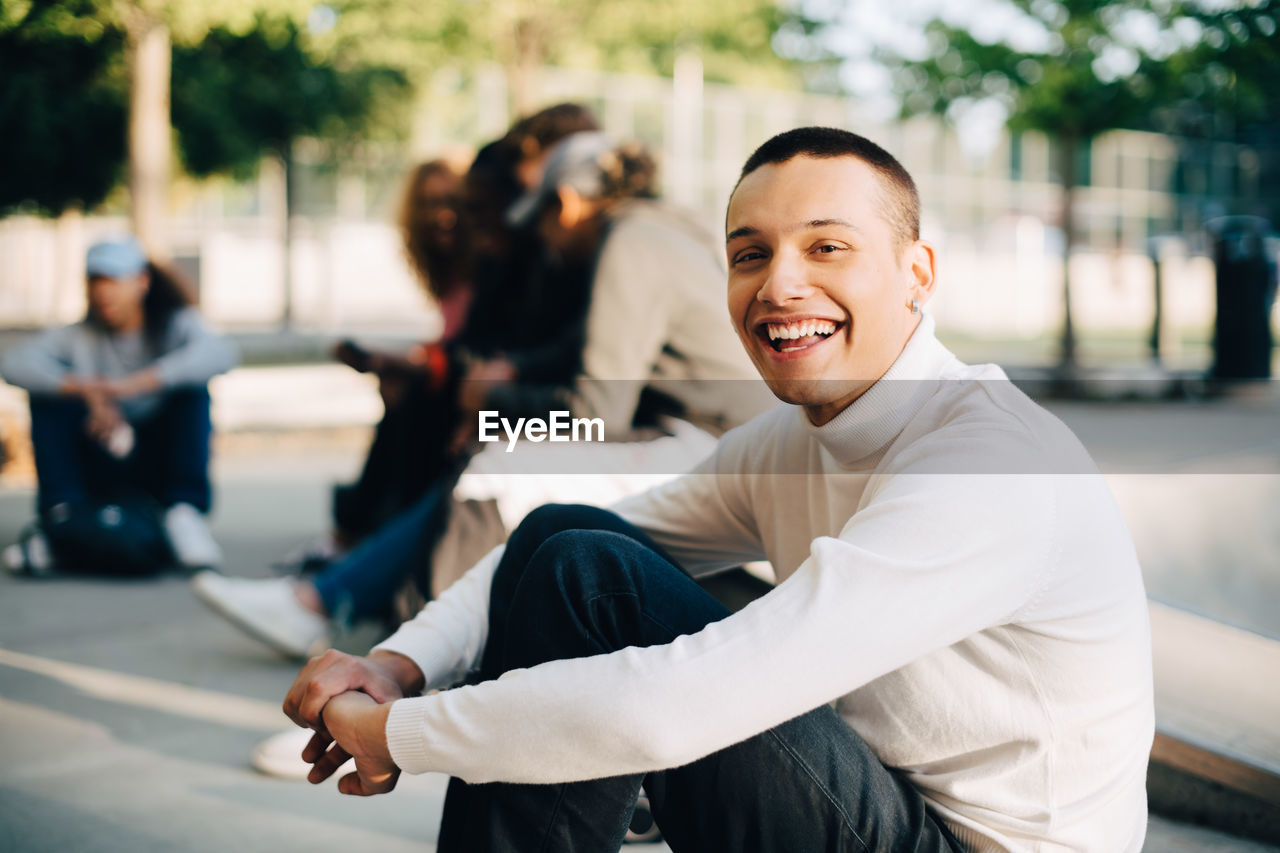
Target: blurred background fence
1142,202
262,143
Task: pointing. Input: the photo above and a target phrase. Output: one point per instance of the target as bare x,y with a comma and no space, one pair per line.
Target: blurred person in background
408,448
454,253
120,423
524,326
655,358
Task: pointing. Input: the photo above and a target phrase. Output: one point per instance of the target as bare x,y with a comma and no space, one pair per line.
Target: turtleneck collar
870,422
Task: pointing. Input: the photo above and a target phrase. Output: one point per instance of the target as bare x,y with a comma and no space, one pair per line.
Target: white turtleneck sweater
953,576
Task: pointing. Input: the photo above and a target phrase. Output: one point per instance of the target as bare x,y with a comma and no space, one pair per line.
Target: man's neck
821,413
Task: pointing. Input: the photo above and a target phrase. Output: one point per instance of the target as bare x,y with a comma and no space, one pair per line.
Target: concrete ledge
1216,756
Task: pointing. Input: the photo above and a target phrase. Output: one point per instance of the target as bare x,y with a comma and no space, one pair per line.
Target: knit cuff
406,739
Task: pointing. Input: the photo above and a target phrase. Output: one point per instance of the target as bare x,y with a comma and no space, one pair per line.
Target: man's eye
747,256
827,248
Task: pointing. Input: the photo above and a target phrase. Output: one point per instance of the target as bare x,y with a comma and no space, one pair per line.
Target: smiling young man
956,656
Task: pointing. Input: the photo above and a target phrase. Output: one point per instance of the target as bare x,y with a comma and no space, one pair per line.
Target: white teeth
794,331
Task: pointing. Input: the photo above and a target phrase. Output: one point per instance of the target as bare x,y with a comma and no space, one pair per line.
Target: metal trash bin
1244,256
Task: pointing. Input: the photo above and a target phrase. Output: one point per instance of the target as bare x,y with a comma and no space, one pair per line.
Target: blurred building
993,215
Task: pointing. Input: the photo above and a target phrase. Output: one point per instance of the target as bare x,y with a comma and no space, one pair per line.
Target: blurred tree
237,97
151,27
87,85
1224,85
733,37
1074,69
62,105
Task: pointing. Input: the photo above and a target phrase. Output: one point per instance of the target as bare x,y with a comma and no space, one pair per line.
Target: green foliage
62,106
1229,76
237,96
248,77
733,37
1103,64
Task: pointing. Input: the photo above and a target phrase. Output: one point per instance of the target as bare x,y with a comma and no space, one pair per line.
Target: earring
915,306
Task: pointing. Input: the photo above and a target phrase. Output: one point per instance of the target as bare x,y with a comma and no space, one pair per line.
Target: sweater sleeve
41,363
931,559
194,353
447,636
701,518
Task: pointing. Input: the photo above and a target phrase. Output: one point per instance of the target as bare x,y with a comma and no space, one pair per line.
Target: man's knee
548,520
188,404
579,563
47,407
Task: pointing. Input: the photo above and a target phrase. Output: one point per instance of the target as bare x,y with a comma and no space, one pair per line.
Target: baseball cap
120,257
573,162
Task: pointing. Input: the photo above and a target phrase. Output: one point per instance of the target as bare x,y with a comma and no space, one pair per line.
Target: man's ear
920,260
572,207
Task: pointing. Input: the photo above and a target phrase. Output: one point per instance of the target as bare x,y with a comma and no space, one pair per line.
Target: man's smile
794,335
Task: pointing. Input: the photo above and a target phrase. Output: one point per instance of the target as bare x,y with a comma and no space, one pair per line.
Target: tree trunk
1067,174
1157,319
522,73
287,168
150,154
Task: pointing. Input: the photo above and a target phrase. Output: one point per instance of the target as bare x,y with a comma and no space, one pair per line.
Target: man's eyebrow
820,223
748,231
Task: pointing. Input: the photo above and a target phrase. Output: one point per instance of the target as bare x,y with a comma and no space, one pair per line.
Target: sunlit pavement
127,712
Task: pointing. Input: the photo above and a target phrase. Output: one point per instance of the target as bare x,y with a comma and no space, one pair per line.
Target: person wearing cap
654,321
119,403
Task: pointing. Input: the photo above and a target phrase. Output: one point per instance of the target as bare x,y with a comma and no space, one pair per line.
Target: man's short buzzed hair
901,199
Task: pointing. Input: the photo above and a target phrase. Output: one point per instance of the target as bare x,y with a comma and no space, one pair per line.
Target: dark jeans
578,581
408,455
169,460
363,584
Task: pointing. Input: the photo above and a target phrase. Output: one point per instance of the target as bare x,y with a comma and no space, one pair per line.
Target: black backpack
125,537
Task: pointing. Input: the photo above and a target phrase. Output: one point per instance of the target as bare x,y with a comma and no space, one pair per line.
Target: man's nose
786,282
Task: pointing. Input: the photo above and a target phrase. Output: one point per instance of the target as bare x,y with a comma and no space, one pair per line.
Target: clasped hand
346,700
355,724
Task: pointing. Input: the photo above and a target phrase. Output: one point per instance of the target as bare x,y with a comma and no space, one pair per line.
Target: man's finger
328,764
315,696
315,747
357,786
352,786
293,699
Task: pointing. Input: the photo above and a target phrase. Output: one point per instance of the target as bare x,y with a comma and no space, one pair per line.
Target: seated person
463,257
956,656
655,320
120,407
409,449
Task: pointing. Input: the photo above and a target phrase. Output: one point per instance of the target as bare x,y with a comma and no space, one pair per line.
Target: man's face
117,302
819,285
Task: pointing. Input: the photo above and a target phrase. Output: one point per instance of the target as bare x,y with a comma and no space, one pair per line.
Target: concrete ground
127,712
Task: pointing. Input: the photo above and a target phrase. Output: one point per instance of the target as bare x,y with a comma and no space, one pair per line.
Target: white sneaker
281,754
267,609
189,535
29,556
